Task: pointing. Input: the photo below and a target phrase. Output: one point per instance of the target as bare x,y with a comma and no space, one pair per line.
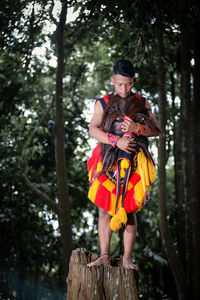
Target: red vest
104,100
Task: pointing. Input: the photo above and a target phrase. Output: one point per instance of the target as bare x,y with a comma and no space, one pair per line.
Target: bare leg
105,234
129,239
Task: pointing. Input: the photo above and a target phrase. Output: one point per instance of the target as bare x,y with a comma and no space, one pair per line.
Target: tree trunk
99,283
172,257
178,176
63,205
196,165
186,143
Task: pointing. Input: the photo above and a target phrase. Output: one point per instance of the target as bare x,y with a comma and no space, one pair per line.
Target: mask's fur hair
118,108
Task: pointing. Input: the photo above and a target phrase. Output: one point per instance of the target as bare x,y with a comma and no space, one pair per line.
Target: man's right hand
126,144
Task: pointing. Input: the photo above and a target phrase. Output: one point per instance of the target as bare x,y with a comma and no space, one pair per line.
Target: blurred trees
168,68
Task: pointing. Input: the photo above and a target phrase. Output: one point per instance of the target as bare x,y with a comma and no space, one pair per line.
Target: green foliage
102,33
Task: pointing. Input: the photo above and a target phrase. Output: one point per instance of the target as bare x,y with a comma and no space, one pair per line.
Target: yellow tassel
122,173
99,167
93,190
115,223
112,204
109,185
122,215
90,174
139,192
124,164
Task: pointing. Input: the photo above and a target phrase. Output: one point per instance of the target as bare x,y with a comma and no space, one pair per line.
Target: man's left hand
129,125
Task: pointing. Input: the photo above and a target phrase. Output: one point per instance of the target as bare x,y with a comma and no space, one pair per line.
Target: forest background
56,58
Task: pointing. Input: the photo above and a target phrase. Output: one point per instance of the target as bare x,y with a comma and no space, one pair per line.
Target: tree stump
99,283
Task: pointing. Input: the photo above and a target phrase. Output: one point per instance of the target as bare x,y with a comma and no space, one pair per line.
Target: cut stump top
99,283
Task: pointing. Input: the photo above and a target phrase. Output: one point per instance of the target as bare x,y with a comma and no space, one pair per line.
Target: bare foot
102,260
127,264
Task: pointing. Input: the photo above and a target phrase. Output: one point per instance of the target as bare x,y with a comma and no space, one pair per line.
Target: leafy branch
31,185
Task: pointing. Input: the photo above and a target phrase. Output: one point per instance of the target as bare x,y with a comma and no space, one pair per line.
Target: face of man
123,85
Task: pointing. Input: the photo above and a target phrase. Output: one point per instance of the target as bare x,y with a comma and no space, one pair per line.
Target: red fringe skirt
102,191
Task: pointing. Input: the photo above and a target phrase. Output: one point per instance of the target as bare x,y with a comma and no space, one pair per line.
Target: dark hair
115,110
124,67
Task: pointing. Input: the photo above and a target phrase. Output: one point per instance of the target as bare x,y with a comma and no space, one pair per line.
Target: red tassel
103,198
93,160
135,178
102,178
129,202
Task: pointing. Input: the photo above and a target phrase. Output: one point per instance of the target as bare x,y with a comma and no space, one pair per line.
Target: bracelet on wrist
141,129
113,139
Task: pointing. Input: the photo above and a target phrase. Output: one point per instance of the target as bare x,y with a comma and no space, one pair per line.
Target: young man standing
123,81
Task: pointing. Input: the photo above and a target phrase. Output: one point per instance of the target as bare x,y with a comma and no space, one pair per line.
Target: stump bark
99,283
